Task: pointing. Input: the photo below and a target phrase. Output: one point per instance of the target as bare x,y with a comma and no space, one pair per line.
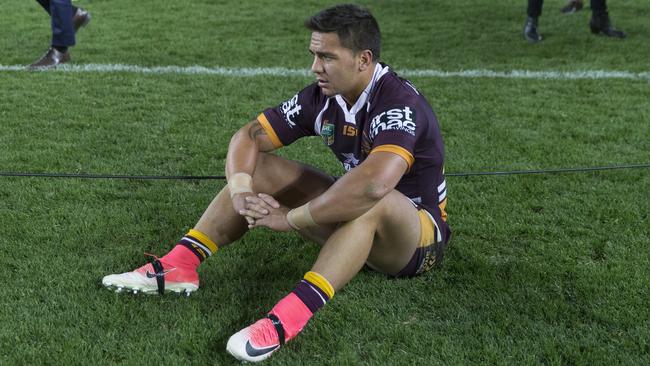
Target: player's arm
360,189
245,145
348,198
244,148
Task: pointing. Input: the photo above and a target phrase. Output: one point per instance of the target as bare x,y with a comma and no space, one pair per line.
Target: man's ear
366,59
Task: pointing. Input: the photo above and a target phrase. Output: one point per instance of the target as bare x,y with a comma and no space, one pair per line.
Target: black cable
550,171
221,177
113,176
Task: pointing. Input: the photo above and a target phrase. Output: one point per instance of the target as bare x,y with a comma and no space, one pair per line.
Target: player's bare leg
292,182
385,237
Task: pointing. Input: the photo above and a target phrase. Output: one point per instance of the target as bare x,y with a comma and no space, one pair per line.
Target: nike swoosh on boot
254,352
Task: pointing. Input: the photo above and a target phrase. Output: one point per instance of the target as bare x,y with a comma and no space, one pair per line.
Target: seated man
387,211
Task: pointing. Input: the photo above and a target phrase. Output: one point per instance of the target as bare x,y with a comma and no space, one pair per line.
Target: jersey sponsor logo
396,119
291,109
349,131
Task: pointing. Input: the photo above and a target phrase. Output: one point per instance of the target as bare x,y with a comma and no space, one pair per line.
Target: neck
364,79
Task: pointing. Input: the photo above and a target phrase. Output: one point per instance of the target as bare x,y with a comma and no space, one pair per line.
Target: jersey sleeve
293,118
395,130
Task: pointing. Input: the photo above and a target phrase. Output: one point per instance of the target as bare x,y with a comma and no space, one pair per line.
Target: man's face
336,67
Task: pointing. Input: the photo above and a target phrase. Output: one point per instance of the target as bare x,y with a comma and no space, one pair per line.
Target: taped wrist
240,183
300,218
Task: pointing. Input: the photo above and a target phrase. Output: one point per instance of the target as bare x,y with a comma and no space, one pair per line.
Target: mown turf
543,269
448,35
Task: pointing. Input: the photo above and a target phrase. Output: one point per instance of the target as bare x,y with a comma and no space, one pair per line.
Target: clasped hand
262,210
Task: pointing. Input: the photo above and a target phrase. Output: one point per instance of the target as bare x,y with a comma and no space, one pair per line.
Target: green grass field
543,269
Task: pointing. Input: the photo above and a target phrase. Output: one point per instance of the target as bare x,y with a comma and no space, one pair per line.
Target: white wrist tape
300,218
240,183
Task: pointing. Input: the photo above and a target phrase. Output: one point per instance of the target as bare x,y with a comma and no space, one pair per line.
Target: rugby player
386,212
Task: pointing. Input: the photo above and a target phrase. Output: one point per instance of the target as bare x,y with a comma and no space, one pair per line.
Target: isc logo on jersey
399,119
291,109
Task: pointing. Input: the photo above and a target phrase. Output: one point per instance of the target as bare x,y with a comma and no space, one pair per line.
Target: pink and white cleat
154,278
258,341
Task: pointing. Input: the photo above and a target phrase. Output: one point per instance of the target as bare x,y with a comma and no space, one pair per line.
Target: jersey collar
380,70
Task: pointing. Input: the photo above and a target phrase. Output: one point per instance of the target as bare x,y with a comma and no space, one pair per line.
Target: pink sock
180,256
293,314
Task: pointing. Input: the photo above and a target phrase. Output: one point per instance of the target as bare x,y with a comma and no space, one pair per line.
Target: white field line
285,72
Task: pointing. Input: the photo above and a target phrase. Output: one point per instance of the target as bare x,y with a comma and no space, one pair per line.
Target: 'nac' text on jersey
400,119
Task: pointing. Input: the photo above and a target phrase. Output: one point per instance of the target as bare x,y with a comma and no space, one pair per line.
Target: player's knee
384,207
262,158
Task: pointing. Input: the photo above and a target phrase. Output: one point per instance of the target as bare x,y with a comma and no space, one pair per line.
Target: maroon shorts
434,236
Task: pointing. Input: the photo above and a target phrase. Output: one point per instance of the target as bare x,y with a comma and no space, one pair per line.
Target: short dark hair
356,27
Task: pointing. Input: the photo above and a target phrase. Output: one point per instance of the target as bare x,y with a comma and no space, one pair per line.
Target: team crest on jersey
327,131
291,109
396,119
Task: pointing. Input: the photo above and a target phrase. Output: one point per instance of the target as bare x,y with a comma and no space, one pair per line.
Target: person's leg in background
66,19
530,28
600,22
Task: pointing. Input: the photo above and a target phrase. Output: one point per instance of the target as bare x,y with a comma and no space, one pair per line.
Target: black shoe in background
530,30
80,19
51,58
602,25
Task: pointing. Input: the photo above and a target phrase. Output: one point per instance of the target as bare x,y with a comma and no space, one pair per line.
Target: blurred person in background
572,6
599,24
66,20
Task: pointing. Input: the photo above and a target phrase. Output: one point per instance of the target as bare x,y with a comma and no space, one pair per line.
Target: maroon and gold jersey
390,115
